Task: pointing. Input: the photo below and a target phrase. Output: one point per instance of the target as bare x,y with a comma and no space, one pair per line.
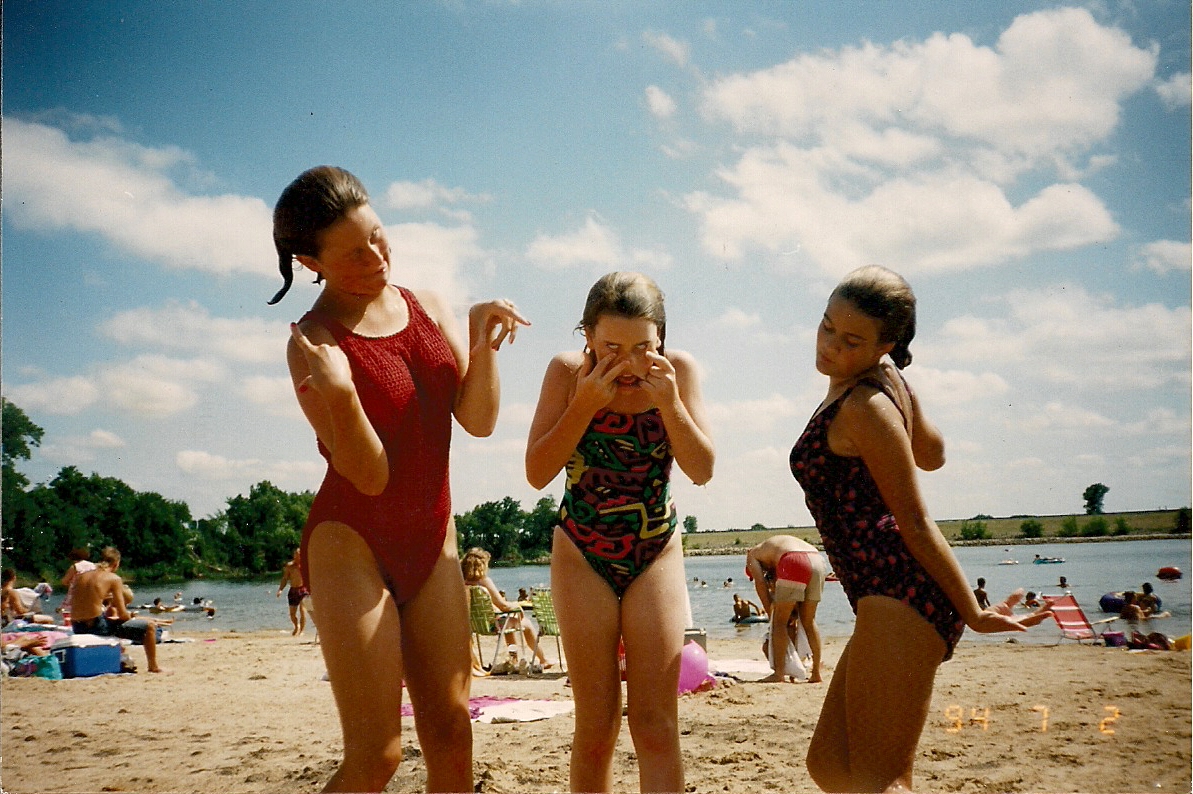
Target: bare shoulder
433,304
565,364
869,407
684,362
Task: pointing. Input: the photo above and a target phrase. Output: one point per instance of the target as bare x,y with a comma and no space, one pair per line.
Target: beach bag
1114,639
38,667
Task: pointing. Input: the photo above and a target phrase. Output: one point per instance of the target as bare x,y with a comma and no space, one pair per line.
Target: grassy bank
1149,524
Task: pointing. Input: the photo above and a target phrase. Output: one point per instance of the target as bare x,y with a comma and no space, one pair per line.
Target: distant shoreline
717,551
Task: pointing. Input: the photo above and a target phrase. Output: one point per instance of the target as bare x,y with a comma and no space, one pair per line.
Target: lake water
1092,569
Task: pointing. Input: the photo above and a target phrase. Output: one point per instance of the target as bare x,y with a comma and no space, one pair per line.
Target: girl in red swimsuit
856,462
615,416
380,371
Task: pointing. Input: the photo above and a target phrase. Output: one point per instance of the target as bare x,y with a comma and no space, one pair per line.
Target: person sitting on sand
743,609
23,602
798,572
1030,601
95,587
475,568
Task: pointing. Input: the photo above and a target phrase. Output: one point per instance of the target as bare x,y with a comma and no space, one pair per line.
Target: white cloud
1164,256
429,194
187,326
752,416
57,396
207,466
661,105
154,386
432,256
1175,91
1057,416
736,318
593,244
1073,337
908,153
674,50
103,439
124,193
272,395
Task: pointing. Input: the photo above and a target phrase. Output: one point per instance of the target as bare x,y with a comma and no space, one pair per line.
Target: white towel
794,664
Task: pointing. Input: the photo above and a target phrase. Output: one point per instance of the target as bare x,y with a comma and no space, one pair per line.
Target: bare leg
435,646
878,701
807,618
302,616
653,631
294,621
150,643
363,654
590,625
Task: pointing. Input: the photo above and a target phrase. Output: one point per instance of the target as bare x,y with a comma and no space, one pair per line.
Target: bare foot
161,670
815,678
773,678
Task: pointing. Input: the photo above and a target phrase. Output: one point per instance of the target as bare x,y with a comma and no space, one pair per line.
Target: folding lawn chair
1074,625
486,621
544,614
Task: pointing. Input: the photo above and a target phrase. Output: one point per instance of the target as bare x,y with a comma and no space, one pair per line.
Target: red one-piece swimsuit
407,385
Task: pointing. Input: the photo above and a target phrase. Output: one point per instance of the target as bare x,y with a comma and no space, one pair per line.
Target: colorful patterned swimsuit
860,535
617,506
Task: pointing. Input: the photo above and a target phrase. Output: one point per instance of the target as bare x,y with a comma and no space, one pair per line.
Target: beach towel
497,710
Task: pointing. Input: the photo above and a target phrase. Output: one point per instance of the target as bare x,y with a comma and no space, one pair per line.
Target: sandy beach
251,713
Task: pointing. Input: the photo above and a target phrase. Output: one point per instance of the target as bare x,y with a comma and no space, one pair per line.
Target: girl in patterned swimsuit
856,462
379,372
616,415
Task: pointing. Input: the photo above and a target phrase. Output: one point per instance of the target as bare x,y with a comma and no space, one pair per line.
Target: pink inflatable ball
693,669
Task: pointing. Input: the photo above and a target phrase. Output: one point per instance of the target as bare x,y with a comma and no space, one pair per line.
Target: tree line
253,535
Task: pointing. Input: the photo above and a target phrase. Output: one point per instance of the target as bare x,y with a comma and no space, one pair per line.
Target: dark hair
625,294
308,205
884,295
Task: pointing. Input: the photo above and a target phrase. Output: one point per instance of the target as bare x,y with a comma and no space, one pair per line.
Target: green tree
17,434
1093,497
1182,523
1121,527
538,529
1096,527
1031,529
1069,528
689,524
758,528
974,530
494,527
264,528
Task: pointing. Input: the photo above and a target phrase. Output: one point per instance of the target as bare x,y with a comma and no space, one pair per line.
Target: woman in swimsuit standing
379,372
856,462
616,415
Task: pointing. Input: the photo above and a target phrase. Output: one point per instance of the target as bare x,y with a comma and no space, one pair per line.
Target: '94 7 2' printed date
979,717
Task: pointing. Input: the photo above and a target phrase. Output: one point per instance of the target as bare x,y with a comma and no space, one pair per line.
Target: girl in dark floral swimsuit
856,462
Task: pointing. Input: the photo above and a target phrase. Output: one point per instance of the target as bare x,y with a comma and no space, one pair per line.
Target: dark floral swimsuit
860,535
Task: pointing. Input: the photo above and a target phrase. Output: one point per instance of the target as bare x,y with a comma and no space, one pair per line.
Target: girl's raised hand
327,364
484,320
660,381
596,382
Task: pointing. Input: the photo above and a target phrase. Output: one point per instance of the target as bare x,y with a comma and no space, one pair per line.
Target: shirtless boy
292,576
797,570
92,589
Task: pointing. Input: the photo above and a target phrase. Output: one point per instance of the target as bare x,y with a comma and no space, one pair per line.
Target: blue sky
1025,165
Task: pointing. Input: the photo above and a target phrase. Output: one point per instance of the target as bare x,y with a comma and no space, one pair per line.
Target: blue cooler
87,655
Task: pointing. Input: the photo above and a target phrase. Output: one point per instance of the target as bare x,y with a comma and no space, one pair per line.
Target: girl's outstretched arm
675,385
489,324
875,427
